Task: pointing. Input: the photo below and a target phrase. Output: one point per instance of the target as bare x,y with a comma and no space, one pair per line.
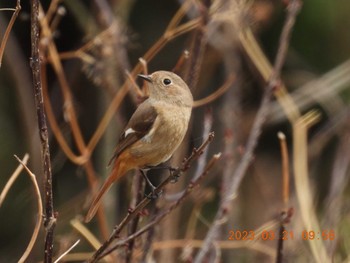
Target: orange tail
118,171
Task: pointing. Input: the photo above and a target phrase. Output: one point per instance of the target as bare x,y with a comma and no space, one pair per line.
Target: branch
12,179
49,217
303,188
225,205
286,213
216,94
174,205
132,214
70,114
137,195
39,213
67,251
9,27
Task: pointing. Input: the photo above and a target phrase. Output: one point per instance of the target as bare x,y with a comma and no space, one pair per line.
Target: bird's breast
165,136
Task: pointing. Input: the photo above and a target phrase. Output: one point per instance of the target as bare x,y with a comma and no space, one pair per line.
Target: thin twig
216,94
173,206
76,159
136,87
8,9
9,27
137,193
285,169
71,116
50,216
39,213
279,258
264,67
144,65
12,179
61,11
320,90
285,195
225,206
181,61
67,251
151,235
70,113
302,183
198,45
78,226
52,10
339,181
132,214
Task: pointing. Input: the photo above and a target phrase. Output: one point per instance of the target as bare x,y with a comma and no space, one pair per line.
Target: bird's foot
154,194
174,174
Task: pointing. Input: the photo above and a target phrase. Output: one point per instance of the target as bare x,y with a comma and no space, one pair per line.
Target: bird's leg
153,195
171,171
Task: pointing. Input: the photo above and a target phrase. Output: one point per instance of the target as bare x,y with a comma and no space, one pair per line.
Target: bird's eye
166,82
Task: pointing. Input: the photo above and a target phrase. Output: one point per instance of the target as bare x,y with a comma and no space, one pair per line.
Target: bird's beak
145,77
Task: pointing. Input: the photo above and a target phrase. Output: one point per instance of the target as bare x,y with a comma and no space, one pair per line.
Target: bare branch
216,94
173,206
212,235
302,183
12,179
9,27
132,214
68,250
285,169
50,217
39,213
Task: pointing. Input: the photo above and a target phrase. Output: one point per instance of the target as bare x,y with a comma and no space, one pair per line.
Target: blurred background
98,43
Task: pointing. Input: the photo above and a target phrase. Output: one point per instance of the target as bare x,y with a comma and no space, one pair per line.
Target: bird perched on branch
154,131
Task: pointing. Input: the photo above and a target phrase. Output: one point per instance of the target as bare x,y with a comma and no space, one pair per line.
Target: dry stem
274,80
12,179
67,251
285,216
285,169
216,94
9,27
132,214
302,184
50,217
173,206
39,213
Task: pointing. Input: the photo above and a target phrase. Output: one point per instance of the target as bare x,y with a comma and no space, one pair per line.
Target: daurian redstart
154,131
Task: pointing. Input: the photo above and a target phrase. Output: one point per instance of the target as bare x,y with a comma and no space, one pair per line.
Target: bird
154,131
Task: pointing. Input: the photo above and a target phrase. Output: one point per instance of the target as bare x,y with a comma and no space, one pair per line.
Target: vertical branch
39,214
8,29
49,217
337,186
198,45
303,187
285,215
138,190
274,82
285,169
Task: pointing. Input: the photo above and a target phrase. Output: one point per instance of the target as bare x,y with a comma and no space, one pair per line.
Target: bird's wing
139,125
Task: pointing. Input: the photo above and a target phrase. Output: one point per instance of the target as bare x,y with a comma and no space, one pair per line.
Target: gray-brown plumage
154,131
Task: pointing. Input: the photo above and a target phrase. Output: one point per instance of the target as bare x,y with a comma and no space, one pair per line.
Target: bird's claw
175,176
154,195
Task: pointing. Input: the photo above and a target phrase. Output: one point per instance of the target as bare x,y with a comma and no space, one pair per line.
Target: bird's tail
118,171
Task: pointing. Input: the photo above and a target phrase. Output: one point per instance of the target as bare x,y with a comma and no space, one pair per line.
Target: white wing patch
128,131
149,136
